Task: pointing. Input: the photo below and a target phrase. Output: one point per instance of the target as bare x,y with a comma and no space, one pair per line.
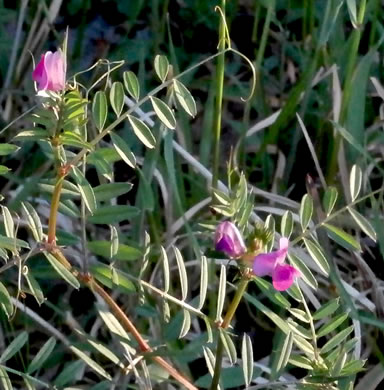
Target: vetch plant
168,279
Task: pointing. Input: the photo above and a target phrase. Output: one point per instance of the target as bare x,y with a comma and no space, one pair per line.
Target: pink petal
284,242
283,276
40,75
265,263
55,68
228,239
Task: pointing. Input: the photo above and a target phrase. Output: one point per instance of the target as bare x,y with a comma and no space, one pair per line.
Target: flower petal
228,239
265,263
55,68
283,276
39,74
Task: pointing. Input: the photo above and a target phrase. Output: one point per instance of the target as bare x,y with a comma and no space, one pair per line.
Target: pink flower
283,275
228,239
50,72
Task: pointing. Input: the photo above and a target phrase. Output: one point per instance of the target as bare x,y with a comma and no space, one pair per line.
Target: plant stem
144,347
218,100
312,326
54,209
226,322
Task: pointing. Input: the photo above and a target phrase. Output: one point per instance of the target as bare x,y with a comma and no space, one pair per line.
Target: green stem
218,100
224,325
312,326
54,209
264,36
128,325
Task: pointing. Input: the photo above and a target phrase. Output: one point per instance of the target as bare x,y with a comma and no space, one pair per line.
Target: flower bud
50,72
228,240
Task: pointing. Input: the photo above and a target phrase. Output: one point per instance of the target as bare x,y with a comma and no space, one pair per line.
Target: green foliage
131,160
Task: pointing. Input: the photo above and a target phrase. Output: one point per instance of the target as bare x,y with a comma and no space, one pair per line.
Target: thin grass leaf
346,347
90,362
161,67
5,300
355,180
85,189
99,109
336,340
270,224
304,345
103,350
14,347
4,380
277,320
339,364
12,244
163,112
300,361
299,330
185,98
165,263
123,150
114,242
113,214
186,325
285,352
332,325
329,200
275,296
305,272
31,135
287,224
6,149
132,84
9,225
247,359
62,271
142,132
209,330
353,367
69,373
299,314
182,273
306,210
111,190
4,170
34,221
35,288
363,223
209,359
351,4
40,358
327,309
117,97
317,255
221,293
203,282
229,346
342,238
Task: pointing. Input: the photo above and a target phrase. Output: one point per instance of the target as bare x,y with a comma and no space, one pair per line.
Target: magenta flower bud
272,264
50,72
228,239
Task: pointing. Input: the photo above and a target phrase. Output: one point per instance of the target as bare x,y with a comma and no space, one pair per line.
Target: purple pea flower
50,72
228,240
283,275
